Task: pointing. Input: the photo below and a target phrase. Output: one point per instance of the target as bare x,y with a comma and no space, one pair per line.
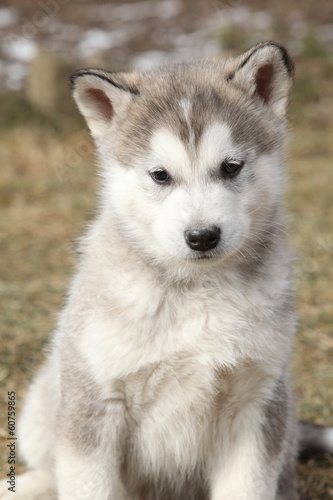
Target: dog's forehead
187,101
168,150
184,102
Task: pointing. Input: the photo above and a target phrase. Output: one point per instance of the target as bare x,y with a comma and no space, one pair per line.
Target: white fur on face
197,197
199,200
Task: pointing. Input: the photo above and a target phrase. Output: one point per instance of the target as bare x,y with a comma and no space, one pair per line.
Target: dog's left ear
103,97
265,71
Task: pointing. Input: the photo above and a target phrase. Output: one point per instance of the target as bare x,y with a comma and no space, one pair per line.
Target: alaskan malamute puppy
168,373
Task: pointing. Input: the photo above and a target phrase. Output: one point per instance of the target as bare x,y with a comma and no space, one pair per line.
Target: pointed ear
102,96
265,71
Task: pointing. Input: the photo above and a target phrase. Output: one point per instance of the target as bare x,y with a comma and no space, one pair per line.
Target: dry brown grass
44,206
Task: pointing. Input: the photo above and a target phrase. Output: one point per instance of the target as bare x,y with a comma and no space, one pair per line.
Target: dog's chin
204,257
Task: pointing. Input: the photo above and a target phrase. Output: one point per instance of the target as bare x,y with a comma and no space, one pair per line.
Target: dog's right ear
265,71
102,96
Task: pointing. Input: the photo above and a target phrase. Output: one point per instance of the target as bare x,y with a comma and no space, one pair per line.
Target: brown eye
231,168
160,176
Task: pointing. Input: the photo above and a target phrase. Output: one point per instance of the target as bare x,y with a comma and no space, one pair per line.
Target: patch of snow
96,40
167,9
15,74
325,33
150,58
8,16
19,48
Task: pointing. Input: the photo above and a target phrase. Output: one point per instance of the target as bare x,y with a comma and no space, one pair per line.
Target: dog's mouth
204,256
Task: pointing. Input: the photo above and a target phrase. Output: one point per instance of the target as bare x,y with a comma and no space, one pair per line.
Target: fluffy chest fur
219,321
188,356
168,403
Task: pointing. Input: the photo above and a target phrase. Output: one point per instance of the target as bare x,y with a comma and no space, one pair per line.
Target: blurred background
48,177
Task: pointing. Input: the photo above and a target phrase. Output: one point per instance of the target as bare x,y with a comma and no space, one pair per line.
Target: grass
47,185
310,203
46,196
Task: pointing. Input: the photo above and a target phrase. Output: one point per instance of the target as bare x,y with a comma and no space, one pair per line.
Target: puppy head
191,153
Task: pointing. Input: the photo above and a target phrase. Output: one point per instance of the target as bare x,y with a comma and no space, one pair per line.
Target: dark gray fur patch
312,438
276,420
286,484
279,432
84,417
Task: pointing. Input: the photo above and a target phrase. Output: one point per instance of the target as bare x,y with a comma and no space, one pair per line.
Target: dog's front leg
88,477
252,449
240,472
88,467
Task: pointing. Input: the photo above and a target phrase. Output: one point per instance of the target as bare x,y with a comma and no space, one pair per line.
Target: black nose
202,239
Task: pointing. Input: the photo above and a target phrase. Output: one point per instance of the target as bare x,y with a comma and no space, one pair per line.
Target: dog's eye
160,176
231,168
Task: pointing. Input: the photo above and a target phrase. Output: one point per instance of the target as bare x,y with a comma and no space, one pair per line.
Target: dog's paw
33,485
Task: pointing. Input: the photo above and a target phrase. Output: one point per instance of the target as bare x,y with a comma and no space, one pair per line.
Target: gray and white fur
167,377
